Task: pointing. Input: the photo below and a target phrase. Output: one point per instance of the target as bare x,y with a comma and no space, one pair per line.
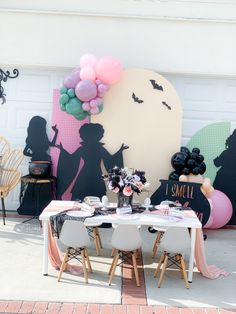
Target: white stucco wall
169,36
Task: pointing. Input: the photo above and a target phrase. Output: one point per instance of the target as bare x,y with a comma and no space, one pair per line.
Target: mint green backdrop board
211,141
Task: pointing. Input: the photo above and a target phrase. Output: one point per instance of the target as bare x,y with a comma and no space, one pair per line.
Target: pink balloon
209,223
98,82
101,94
88,60
93,103
86,90
72,80
94,110
87,73
86,106
221,211
109,70
102,88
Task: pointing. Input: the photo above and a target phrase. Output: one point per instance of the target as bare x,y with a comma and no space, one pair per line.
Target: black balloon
178,161
195,170
191,163
174,176
202,168
185,150
196,150
200,158
186,162
194,156
186,171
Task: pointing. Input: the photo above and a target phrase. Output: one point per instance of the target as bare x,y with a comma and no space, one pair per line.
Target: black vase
40,169
123,200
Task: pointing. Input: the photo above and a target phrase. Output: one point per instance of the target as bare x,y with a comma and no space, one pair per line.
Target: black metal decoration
3,77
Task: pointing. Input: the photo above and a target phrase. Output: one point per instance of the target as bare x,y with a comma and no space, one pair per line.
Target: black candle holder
3,77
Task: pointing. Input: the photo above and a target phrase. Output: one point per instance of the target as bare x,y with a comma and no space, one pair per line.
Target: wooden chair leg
163,271
114,263
178,260
63,266
135,269
155,245
3,210
113,252
113,260
84,266
159,264
99,238
96,241
184,272
88,260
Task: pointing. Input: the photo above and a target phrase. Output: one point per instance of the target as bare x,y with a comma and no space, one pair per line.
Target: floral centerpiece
125,182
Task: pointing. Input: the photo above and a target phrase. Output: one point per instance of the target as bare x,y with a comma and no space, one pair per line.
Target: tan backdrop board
144,112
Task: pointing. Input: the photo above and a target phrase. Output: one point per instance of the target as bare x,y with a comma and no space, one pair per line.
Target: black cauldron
40,168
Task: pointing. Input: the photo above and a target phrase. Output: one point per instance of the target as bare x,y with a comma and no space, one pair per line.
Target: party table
146,218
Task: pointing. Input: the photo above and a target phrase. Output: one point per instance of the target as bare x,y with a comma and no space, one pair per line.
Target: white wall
170,36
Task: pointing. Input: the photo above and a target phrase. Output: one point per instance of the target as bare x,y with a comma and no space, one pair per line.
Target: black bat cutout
156,86
136,99
165,104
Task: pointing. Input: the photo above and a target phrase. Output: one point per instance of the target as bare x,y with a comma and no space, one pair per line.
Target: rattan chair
13,159
8,180
4,149
9,175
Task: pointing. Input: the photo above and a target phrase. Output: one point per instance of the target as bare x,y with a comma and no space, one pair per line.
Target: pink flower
127,191
116,190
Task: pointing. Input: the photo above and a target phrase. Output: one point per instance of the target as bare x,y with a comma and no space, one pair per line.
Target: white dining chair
125,239
75,237
174,243
114,226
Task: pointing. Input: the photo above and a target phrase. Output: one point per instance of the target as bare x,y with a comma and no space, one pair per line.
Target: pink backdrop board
68,135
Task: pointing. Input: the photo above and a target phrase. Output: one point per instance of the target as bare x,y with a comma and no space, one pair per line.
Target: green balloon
64,98
82,115
71,93
63,90
74,106
100,107
63,107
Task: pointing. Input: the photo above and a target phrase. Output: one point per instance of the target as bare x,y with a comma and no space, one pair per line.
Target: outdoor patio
22,278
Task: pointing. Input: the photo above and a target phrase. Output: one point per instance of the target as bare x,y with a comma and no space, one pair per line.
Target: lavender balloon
72,80
86,90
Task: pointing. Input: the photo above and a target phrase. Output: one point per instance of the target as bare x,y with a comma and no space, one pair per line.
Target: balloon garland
83,89
186,162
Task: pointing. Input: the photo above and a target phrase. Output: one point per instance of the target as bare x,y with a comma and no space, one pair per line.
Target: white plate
79,213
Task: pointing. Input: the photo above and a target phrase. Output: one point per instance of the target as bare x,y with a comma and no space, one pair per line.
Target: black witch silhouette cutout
225,179
88,180
37,147
37,142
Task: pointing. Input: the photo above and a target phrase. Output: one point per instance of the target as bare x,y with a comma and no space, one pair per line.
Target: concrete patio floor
25,290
